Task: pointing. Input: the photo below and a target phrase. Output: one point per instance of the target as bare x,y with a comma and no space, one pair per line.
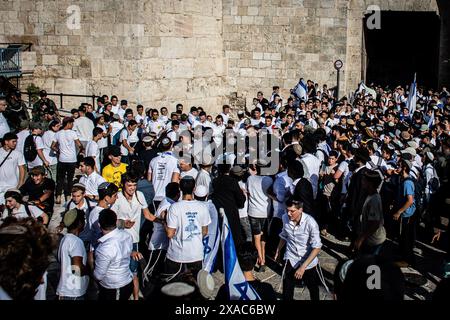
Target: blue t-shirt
408,189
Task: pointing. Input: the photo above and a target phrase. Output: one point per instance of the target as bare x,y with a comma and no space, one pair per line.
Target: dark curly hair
25,246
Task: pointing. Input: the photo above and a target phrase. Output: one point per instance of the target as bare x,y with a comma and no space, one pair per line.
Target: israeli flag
238,287
301,90
368,90
211,242
412,97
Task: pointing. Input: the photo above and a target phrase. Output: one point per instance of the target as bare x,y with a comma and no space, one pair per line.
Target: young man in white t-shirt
159,242
187,225
107,193
39,160
12,166
90,178
259,208
93,148
15,207
162,170
74,279
65,143
129,207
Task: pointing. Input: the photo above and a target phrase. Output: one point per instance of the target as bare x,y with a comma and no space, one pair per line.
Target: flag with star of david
238,287
211,242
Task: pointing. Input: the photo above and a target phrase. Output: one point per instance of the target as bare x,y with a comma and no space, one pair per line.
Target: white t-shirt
103,142
91,182
39,146
93,150
343,167
131,140
193,173
259,203
66,141
21,136
311,170
162,167
155,126
4,127
49,154
159,239
116,127
71,284
244,211
21,213
127,210
83,126
188,218
9,171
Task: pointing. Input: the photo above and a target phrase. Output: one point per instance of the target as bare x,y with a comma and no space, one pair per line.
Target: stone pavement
420,281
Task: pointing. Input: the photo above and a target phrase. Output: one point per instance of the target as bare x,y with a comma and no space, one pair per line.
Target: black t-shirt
147,155
264,290
34,192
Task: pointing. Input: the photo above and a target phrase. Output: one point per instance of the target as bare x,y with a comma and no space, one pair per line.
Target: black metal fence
61,99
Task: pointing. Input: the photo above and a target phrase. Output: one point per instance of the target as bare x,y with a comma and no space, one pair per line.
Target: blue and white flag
238,287
301,90
412,97
211,242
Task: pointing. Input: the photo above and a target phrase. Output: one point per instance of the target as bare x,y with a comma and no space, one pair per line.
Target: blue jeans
133,263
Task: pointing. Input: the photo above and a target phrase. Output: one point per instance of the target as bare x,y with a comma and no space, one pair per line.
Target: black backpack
29,148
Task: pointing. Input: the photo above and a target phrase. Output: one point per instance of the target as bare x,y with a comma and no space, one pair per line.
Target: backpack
419,192
434,183
116,138
29,148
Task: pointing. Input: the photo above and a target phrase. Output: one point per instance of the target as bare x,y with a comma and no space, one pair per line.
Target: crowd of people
142,188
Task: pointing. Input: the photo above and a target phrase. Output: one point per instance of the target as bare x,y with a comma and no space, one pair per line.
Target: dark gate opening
407,42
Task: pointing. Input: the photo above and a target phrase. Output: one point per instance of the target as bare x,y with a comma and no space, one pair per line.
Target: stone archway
356,10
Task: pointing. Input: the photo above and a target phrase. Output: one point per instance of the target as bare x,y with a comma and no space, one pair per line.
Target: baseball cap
201,191
24,124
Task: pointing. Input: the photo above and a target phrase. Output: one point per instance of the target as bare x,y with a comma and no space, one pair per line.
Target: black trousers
310,278
407,239
111,294
64,178
172,268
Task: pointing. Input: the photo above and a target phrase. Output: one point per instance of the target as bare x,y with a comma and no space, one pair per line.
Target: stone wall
157,52
197,52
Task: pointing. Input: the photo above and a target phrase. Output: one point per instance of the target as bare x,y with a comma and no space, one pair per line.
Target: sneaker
262,268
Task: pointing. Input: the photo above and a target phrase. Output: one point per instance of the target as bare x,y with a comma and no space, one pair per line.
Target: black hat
42,93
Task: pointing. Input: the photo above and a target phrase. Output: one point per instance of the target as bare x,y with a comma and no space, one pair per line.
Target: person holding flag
412,97
300,90
302,236
236,284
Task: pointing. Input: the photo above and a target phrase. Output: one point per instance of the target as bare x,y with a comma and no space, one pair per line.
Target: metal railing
10,62
61,99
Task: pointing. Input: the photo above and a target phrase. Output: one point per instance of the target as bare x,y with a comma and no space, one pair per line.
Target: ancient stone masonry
161,52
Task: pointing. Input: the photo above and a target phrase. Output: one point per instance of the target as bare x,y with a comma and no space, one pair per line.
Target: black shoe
262,268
